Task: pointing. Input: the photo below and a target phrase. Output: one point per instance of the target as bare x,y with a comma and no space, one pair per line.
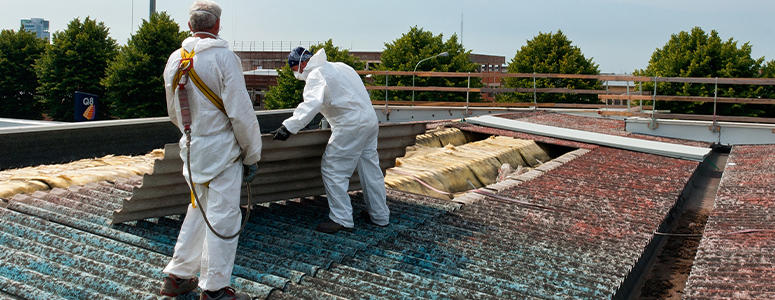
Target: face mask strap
207,33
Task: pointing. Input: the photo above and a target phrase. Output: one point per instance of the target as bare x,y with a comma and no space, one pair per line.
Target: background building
38,26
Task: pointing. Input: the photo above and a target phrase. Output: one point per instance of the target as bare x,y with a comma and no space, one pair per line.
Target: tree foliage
697,54
134,87
288,92
404,53
551,53
18,82
76,61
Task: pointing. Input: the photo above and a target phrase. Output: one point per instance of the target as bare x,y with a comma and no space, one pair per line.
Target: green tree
18,82
76,61
697,54
134,87
551,53
768,71
404,53
288,92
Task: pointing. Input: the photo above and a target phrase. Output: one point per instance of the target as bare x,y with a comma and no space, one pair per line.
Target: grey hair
203,14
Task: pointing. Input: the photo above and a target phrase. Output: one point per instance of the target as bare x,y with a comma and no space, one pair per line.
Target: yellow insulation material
81,172
406,183
530,151
450,168
440,137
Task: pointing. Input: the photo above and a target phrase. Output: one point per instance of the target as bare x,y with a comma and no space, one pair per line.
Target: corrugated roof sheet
60,243
740,265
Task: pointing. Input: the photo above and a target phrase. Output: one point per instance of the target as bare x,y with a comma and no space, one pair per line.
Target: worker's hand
282,133
249,172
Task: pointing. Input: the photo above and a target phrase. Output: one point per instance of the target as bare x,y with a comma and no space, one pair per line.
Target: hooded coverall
335,90
220,145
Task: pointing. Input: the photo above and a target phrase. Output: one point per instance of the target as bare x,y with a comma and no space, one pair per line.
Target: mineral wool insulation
46,177
450,168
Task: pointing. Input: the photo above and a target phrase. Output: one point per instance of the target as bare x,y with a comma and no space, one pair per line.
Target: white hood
313,63
199,44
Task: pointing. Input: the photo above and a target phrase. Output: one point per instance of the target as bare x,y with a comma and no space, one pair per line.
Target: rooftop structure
37,25
594,242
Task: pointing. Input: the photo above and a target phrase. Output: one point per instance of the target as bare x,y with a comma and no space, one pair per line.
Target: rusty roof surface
736,257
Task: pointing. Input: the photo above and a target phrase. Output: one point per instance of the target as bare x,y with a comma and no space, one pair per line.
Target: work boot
329,226
367,218
174,286
226,293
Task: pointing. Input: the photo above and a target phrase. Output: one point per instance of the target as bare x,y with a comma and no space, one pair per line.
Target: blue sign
85,107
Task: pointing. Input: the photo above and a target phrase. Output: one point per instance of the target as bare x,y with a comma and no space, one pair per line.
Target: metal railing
602,94
271,45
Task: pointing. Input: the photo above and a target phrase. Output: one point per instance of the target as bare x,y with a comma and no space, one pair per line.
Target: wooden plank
718,118
615,113
707,118
423,88
689,99
459,104
542,90
624,97
719,99
496,104
702,80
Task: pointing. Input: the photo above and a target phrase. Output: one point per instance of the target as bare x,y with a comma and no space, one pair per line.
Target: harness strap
212,96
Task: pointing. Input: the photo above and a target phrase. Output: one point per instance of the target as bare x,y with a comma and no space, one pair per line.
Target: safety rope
196,197
185,67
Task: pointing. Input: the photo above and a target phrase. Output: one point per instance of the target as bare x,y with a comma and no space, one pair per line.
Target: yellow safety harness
185,65
185,71
186,68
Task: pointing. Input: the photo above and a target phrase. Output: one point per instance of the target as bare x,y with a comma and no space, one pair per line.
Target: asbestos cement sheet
658,148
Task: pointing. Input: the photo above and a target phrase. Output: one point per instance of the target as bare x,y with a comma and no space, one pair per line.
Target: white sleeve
240,111
314,94
169,88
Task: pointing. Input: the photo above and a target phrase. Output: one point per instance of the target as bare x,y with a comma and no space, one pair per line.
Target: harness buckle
186,64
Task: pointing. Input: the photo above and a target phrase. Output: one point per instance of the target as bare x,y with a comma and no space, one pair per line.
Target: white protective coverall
220,145
335,90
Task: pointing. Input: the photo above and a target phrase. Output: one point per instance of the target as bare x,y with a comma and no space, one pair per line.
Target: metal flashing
653,147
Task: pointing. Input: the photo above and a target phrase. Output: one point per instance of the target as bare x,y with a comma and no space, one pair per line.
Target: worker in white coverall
335,90
225,146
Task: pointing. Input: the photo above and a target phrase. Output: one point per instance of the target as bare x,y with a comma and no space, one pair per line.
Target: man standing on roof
335,90
225,147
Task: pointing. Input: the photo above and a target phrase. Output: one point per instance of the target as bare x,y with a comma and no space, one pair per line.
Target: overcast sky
619,35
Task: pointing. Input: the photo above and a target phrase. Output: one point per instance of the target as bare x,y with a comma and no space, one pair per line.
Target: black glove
249,172
282,133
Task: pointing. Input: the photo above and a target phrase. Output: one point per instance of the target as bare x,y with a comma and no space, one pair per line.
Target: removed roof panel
658,148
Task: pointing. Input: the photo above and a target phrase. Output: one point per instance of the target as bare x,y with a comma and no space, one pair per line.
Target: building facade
37,25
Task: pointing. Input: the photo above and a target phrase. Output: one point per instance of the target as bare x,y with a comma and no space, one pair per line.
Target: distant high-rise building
37,25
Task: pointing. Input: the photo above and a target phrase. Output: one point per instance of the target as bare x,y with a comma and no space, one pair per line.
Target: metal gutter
726,133
639,145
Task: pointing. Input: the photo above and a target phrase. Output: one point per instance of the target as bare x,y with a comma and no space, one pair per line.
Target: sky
618,35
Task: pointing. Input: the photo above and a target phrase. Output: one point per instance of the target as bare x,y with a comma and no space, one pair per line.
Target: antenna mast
461,28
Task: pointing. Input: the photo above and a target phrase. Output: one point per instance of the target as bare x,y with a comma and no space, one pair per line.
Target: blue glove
249,172
282,133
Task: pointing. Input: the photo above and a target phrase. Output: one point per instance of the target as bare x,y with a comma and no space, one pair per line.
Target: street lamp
444,54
